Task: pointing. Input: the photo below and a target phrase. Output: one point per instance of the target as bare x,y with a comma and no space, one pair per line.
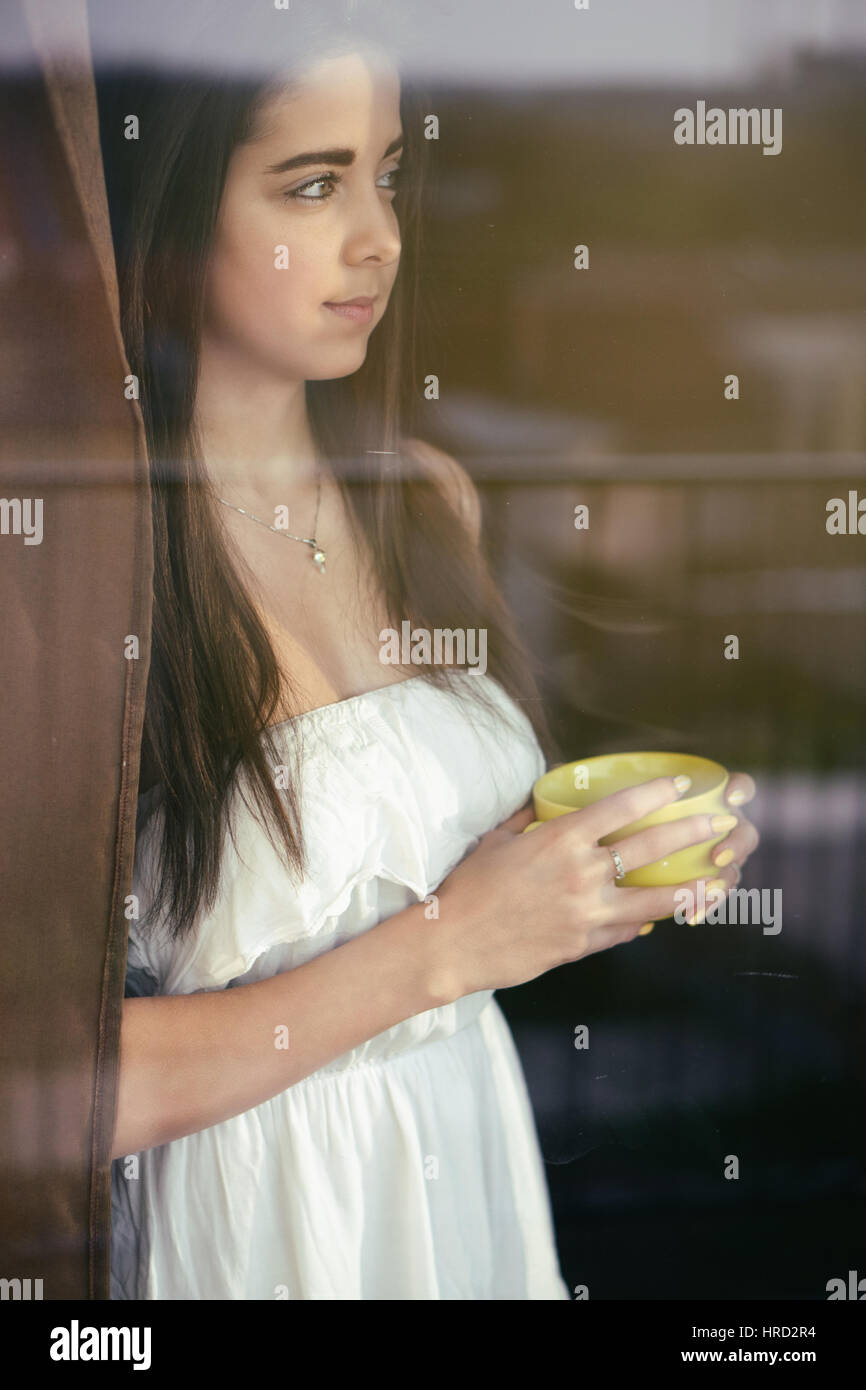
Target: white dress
409,1168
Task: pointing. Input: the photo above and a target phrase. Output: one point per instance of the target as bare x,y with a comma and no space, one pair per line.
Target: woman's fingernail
646,928
724,858
720,823
682,783
736,797
715,885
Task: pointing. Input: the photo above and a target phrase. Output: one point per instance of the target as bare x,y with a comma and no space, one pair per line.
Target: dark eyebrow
344,157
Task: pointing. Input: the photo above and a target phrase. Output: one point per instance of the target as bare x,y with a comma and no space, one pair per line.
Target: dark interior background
707,517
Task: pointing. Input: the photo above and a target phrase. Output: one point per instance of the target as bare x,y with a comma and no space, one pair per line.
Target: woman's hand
519,905
744,838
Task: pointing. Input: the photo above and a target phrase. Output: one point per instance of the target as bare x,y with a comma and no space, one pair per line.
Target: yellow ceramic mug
575,785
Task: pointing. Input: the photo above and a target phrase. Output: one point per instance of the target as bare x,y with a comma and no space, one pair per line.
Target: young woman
319,1097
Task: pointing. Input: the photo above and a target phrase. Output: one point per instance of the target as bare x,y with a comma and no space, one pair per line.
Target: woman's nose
374,232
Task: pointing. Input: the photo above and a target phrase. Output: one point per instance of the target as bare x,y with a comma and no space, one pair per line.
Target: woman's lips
360,311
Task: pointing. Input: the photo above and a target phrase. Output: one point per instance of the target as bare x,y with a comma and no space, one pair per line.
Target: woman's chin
333,365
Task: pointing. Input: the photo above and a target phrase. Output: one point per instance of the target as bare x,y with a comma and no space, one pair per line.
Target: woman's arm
192,1060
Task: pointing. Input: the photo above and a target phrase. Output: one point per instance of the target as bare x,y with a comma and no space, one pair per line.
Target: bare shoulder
456,482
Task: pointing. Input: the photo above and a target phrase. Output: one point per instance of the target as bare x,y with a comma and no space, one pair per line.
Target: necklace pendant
319,557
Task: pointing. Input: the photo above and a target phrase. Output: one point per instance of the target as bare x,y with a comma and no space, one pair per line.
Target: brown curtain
73,688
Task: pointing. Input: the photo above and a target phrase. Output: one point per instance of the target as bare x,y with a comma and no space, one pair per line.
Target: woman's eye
304,194
394,175
301,191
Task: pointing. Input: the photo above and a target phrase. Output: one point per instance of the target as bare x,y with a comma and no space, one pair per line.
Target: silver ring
620,867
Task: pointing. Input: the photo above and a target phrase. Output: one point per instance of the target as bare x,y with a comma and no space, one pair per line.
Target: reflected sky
539,42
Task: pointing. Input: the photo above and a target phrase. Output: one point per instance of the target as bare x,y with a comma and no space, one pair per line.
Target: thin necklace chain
319,555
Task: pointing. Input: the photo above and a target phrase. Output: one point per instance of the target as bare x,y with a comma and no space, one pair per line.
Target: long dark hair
215,682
